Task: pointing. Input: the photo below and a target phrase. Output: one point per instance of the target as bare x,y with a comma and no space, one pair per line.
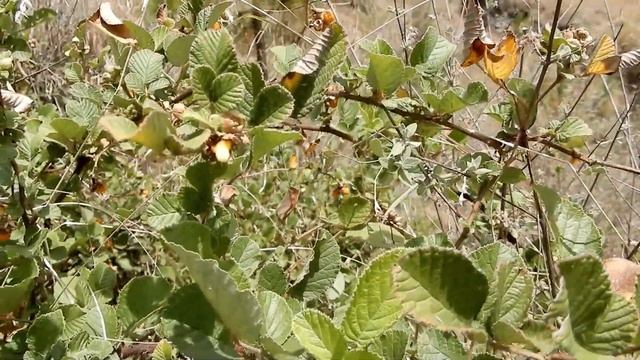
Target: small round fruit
223,150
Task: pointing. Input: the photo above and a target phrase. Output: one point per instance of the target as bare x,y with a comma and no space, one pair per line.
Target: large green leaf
277,316
360,355
441,287
271,277
601,322
221,93
574,231
386,73
373,307
432,52
392,344
44,332
238,310
511,290
354,211
210,14
84,111
263,140
323,270
145,67
246,253
319,336
191,324
273,104
178,50
214,48
163,212
455,99
434,344
140,297
153,132
17,285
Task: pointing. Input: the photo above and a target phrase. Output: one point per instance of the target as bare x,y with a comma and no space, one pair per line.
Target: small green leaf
143,39
571,133
432,52
273,104
354,211
360,355
221,93
178,51
285,57
373,307
246,253
17,285
154,131
277,316
163,212
271,277
434,344
512,175
120,128
140,297
385,73
264,140
392,344
319,336
211,14
85,112
44,332
163,351
323,270
377,46
214,48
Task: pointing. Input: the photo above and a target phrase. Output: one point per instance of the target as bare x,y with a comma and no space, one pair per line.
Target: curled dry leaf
227,193
309,63
623,275
500,62
15,101
475,37
630,59
105,20
604,60
321,19
288,204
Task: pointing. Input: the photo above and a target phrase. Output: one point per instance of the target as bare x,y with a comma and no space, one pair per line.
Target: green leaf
323,270
140,297
511,286
143,39
145,67
434,344
263,140
190,323
319,336
392,344
17,284
163,351
523,96
214,48
285,57
271,277
360,355
102,322
163,212
120,128
373,307
273,104
377,46
238,310
455,99
432,52
45,331
354,211
385,73
277,316
512,175
154,131
210,14
178,51
440,287
571,133
85,112
102,281
574,231
193,236
601,322
246,253
221,93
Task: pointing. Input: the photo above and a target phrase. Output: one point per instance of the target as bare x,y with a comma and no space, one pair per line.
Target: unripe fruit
223,150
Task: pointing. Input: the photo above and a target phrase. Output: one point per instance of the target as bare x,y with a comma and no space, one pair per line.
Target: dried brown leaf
622,274
288,204
106,20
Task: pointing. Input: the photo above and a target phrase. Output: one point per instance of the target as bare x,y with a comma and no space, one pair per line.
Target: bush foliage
181,200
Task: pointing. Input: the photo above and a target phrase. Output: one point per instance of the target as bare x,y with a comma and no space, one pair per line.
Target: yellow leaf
500,62
475,53
605,61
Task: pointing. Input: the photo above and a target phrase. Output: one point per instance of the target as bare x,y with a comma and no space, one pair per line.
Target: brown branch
22,197
443,120
183,95
326,128
592,162
546,242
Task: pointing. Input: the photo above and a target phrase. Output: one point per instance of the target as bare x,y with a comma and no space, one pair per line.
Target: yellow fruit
223,150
